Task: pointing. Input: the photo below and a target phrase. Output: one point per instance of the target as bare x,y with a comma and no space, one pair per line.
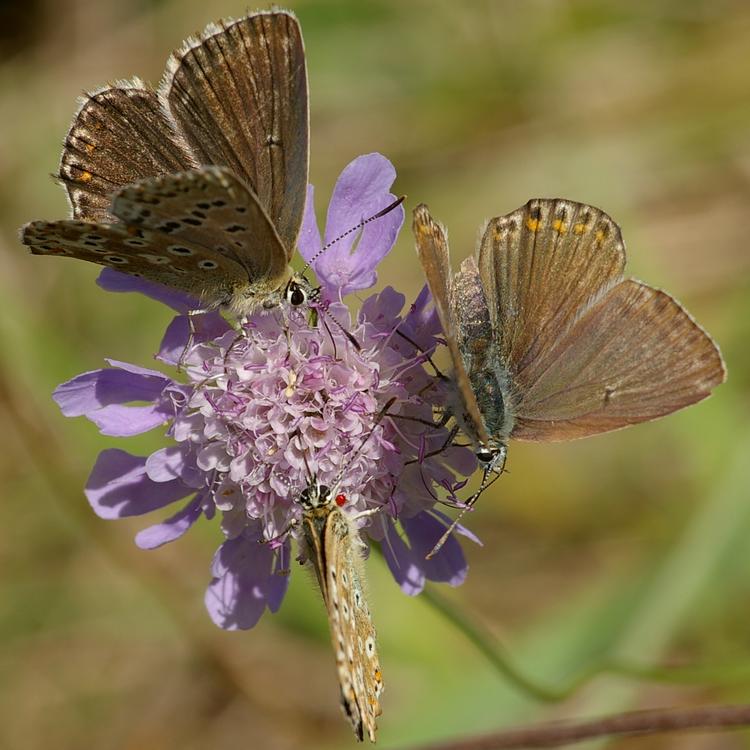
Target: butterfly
548,340
332,544
200,185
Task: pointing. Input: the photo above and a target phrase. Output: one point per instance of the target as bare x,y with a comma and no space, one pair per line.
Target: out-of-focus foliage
630,546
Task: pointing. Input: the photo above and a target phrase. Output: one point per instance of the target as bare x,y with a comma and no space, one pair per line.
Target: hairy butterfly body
334,548
200,186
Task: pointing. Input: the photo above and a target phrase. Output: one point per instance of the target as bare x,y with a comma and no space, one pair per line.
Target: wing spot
235,228
116,260
192,222
208,265
179,250
559,226
532,224
156,260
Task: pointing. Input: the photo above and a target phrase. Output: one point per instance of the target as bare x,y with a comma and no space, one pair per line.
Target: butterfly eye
295,295
340,500
485,455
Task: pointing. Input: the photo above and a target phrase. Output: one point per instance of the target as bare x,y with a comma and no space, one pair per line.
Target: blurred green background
631,546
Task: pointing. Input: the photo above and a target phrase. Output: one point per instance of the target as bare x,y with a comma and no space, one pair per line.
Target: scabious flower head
267,410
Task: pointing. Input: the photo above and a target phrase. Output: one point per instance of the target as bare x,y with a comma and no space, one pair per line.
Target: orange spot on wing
85,176
532,224
560,226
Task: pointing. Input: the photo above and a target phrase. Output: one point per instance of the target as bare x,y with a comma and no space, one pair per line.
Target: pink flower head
264,412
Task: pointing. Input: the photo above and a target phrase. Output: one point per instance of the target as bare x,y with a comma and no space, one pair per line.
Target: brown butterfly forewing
236,97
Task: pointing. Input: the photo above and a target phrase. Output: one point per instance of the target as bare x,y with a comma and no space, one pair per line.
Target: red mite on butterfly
341,500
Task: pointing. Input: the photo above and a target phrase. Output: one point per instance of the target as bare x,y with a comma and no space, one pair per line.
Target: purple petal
421,324
126,421
100,396
309,242
173,528
246,580
114,281
206,327
93,390
449,564
404,568
407,563
166,464
118,486
362,190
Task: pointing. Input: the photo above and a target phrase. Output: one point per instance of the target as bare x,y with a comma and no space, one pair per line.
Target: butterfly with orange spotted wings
549,341
200,185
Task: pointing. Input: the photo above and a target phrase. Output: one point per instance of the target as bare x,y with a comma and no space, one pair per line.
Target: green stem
498,656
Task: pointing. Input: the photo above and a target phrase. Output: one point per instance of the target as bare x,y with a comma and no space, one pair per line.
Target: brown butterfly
549,341
332,544
145,203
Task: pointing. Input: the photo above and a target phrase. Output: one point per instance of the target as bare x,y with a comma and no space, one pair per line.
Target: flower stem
499,657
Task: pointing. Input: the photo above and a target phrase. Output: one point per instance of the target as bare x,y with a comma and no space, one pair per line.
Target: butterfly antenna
355,228
350,336
378,419
469,505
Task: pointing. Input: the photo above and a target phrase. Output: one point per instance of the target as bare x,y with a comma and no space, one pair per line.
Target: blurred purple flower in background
265,409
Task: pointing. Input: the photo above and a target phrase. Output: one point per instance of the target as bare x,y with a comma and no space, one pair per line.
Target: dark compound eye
485,455
296,296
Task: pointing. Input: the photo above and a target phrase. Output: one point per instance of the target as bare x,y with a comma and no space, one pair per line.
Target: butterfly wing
146,253
239,95
633,356
432,249
211,209
119,135
543,265
352,631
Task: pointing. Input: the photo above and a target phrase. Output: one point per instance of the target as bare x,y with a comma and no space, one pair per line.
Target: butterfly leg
292,524
192,331
438,373
486,483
